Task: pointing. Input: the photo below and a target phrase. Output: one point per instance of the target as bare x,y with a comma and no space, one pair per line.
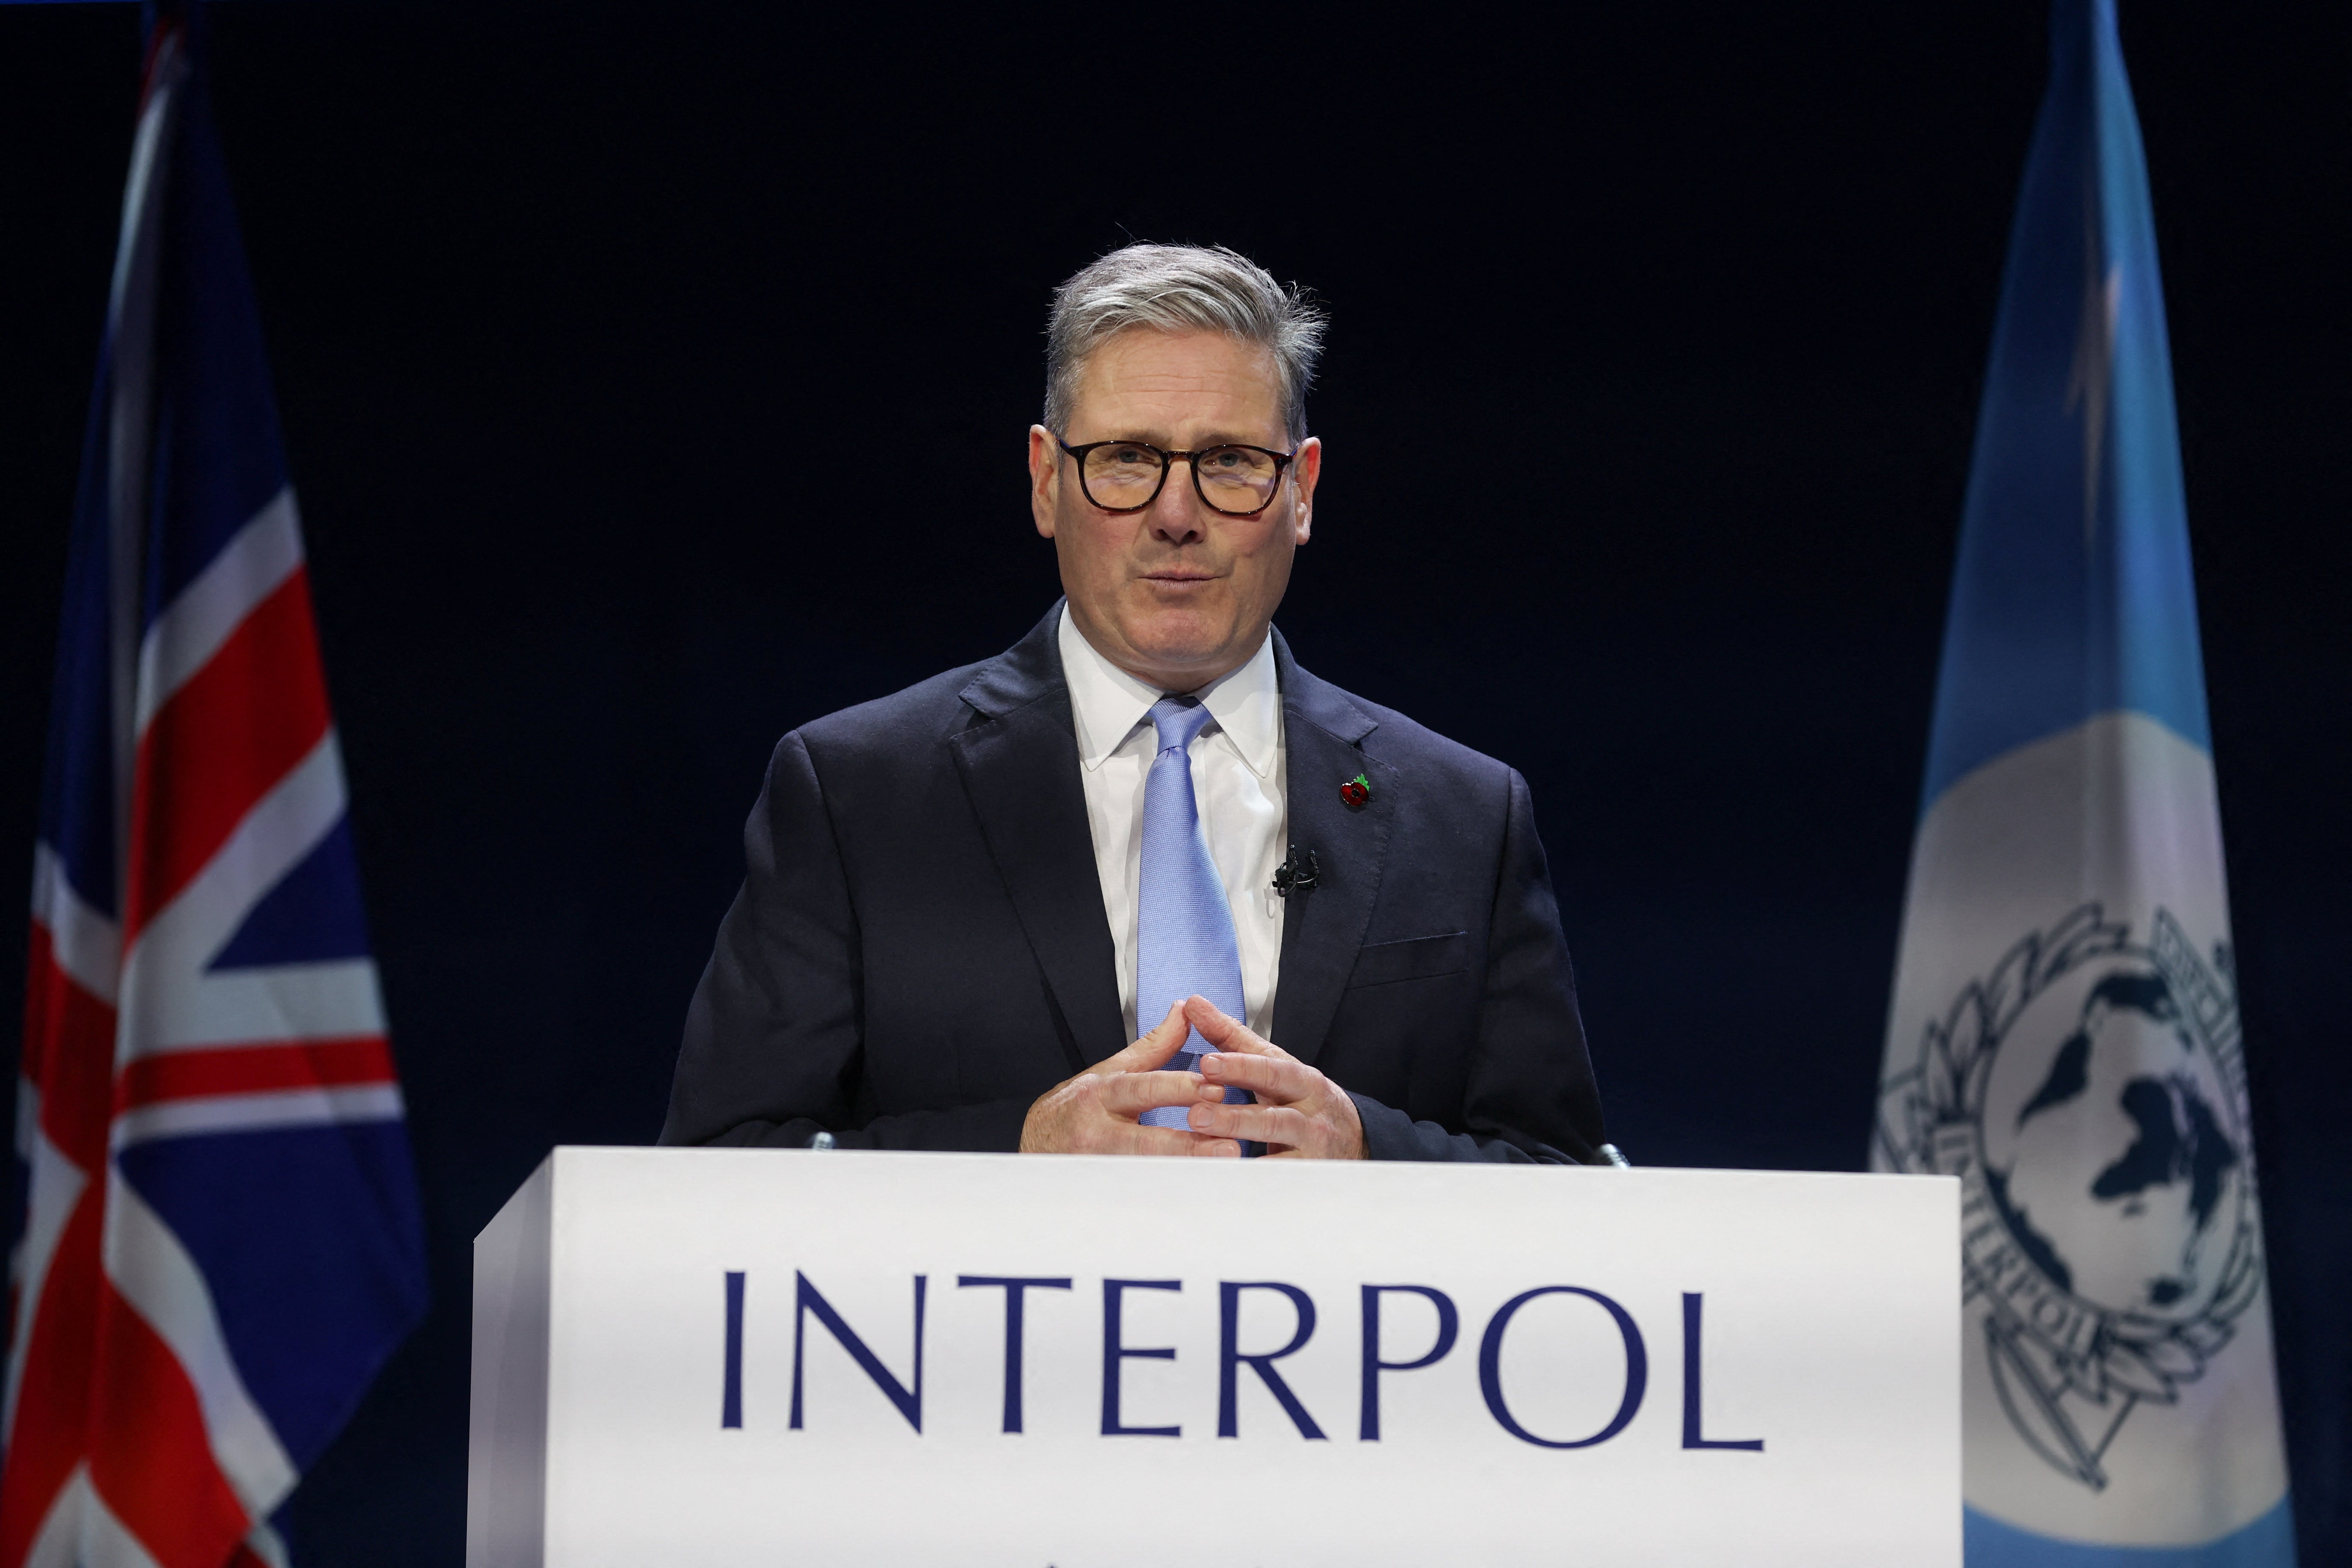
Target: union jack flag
219,1241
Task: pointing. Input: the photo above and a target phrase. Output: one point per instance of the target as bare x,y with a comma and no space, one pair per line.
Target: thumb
1155,1049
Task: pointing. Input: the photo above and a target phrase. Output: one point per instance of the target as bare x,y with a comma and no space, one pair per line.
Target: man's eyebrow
1223,438
1213,439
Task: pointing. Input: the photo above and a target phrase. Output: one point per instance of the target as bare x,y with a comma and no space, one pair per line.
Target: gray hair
1179,288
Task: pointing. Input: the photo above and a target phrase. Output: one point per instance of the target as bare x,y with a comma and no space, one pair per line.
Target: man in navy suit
1141,884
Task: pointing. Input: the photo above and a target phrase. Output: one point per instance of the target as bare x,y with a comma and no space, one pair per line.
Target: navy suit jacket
920,948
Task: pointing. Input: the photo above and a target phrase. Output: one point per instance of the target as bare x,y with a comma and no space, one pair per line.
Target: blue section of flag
217,456
2267,1543
312,916
2072,594
310,1239
76,819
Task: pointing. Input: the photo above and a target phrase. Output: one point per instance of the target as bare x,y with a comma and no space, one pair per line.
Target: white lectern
719,1357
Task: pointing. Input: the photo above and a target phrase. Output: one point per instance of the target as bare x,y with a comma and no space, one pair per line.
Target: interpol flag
219,1242
2064,1032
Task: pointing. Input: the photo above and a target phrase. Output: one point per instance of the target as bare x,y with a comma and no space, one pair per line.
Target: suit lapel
1324,927
1019,762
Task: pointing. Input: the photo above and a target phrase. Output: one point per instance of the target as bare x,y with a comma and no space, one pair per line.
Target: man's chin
1188,642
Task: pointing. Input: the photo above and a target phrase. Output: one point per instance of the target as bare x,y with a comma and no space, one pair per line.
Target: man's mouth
1177,574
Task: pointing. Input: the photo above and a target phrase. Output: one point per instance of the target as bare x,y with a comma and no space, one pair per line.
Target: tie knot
1178,720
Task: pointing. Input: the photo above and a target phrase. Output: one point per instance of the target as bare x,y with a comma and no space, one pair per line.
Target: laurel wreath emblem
2068,1370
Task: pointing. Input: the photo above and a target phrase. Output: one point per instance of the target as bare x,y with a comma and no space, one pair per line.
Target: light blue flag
2063,1034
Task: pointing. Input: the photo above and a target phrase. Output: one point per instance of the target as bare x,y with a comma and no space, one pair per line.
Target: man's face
1177,594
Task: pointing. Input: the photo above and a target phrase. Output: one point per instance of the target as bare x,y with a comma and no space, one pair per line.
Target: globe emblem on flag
2090,1094
2111,1147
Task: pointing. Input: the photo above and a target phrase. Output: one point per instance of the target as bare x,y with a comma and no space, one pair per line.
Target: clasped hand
1300,1114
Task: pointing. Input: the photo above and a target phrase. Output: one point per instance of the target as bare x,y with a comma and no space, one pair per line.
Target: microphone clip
1297,874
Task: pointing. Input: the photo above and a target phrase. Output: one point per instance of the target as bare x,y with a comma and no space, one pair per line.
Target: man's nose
1176,509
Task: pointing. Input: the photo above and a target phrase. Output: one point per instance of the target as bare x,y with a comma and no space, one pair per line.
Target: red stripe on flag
150,1457
222,741
68,1056
53,1401
255,1070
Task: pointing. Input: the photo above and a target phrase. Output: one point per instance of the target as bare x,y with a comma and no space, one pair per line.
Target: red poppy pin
1356,793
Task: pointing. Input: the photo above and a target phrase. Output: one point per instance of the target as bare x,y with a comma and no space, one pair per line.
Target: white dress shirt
1237,782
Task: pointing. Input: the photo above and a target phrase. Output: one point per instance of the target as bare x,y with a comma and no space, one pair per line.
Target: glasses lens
1238,478
1122,475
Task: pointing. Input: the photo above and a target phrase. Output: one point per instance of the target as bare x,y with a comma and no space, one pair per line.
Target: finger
1154,1050
1260,1123
1133,1093
1227,1033
1278,1078
1215,1148
1137,1138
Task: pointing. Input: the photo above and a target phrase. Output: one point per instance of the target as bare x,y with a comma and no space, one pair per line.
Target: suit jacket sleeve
773,1052
1530,1097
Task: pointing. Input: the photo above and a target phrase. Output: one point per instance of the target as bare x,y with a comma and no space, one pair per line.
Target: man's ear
1045,477
1306,470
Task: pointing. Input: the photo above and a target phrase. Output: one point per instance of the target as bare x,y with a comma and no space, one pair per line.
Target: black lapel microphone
1297,874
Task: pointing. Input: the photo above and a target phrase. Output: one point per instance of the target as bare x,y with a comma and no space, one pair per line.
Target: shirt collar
1107,702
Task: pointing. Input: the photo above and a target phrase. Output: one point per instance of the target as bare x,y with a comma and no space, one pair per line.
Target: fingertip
1216,1025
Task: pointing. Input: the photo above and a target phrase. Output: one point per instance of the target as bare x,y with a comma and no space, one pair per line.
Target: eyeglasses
1128,475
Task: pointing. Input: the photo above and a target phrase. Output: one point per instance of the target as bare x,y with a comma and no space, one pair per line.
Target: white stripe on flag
106,1540
54,1186
268,1545
141,190
162,1284
170,1002
258,1112
284,1005
258,558
285,824
87,945
57,1542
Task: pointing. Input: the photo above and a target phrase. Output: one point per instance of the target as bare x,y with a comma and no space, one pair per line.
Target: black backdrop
585,322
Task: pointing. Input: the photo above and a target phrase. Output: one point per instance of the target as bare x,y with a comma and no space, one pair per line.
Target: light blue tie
1184,942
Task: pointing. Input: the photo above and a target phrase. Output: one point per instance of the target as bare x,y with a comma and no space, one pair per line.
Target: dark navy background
1657,337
